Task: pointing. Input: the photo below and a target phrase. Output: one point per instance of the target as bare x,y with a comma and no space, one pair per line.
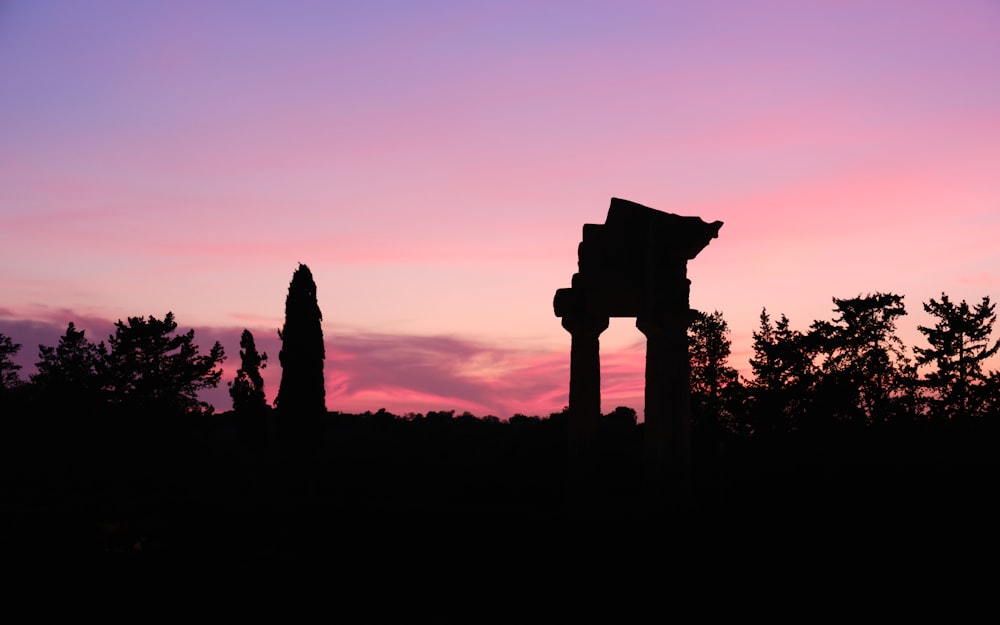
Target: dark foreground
398,522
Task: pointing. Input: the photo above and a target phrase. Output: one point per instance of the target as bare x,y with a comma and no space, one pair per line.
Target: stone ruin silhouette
635,265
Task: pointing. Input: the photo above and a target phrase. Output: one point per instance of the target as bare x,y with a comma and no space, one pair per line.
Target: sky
433,163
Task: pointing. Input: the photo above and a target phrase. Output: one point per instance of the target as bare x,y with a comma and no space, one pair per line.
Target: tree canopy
72,372
862,358
959,343
709,346
152,367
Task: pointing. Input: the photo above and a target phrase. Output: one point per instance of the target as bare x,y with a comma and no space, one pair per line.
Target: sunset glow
434,163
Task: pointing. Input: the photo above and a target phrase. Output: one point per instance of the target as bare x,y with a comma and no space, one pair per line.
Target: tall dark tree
73,373
247,390
959,343
864,366
152,368
711,376
302,389
301,399
8,368
783,373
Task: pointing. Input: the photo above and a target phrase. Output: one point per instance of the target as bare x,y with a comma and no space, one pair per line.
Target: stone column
668,392
584,388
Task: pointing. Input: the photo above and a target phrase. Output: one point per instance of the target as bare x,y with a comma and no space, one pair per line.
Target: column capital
585,325
658,324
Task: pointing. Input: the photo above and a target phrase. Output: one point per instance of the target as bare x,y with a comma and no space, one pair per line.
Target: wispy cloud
441,373
402,373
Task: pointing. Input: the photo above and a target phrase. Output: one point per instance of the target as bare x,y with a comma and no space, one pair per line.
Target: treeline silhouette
107,448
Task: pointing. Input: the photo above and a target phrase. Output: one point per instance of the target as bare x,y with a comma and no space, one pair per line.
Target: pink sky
434,163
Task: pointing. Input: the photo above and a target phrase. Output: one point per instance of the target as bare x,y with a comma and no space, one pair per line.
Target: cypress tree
247,390
301,399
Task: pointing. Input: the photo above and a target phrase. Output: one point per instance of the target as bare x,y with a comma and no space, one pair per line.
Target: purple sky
433,163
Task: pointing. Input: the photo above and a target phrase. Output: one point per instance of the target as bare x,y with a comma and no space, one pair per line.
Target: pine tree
8,368
150,368
73,373
784,373
765,373
959,343
864,366
709,346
